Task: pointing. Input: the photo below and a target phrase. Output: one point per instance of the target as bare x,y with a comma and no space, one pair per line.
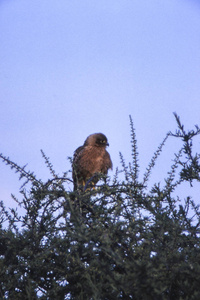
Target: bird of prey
91,160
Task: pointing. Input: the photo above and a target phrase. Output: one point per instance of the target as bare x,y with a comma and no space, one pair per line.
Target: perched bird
91,160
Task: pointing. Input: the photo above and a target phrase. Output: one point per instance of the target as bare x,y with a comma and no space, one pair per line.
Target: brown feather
91,159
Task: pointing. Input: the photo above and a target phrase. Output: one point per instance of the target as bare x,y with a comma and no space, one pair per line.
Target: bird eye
101,141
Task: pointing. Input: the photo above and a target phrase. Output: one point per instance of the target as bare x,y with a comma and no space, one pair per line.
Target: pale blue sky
72,68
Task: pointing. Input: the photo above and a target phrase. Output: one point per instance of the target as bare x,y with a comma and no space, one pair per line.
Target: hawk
91,160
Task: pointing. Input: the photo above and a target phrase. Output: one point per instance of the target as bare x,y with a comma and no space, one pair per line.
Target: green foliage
123,240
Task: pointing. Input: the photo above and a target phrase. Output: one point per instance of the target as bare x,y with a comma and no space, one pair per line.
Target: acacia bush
123,240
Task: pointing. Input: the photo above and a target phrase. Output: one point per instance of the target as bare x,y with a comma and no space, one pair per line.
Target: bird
90,161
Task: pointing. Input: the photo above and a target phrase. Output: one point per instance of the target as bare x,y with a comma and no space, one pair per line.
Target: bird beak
107,144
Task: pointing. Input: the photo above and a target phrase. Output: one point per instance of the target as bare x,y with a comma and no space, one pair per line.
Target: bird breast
93,159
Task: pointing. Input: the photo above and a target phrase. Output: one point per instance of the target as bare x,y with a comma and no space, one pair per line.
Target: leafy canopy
123,240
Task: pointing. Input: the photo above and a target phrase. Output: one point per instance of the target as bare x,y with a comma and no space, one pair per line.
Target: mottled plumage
90,160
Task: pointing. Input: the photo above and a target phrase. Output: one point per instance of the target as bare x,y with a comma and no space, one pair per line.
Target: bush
122,240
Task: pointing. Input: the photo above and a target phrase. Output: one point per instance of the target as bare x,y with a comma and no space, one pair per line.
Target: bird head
96,139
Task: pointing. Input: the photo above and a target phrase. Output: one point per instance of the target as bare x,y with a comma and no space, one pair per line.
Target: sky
72,68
